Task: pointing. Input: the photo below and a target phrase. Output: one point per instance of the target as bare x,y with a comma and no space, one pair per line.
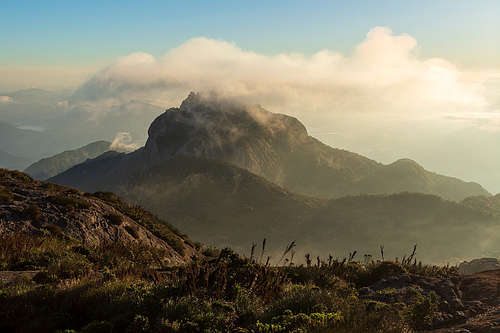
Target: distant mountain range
51,166
226,174
220,204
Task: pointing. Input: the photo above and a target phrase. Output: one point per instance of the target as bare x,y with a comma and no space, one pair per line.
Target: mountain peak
192,100
214,127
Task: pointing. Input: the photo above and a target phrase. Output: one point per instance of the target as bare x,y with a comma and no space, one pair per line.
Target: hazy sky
388,79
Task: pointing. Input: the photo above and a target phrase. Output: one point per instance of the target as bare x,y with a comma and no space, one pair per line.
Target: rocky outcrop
480,295
466,304
32,207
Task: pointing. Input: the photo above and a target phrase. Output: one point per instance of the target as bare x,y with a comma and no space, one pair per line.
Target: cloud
383,74
123,142
6,99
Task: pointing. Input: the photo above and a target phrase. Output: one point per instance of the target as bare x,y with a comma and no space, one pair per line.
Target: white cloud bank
384,74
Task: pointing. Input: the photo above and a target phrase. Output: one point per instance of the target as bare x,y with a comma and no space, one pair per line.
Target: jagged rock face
249,137
32,207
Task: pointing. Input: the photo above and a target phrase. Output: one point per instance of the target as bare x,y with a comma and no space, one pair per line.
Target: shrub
176,243
33,213
378,271
248,306
210,252
192,314
139,324
302,299
69,202
114,219
289,322
421,312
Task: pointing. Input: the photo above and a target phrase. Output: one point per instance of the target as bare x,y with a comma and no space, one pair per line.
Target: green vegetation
33,213
114,219
130,289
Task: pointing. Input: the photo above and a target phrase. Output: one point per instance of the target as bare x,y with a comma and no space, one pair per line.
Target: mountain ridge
279,148
223,205
51,166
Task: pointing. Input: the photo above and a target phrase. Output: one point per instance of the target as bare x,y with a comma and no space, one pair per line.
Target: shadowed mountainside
226,174
224,205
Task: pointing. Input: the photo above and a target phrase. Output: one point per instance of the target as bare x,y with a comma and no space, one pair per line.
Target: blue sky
79,33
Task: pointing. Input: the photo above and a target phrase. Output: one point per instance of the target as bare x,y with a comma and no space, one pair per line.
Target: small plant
114,219
421,312
210,252
34,214
69,202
